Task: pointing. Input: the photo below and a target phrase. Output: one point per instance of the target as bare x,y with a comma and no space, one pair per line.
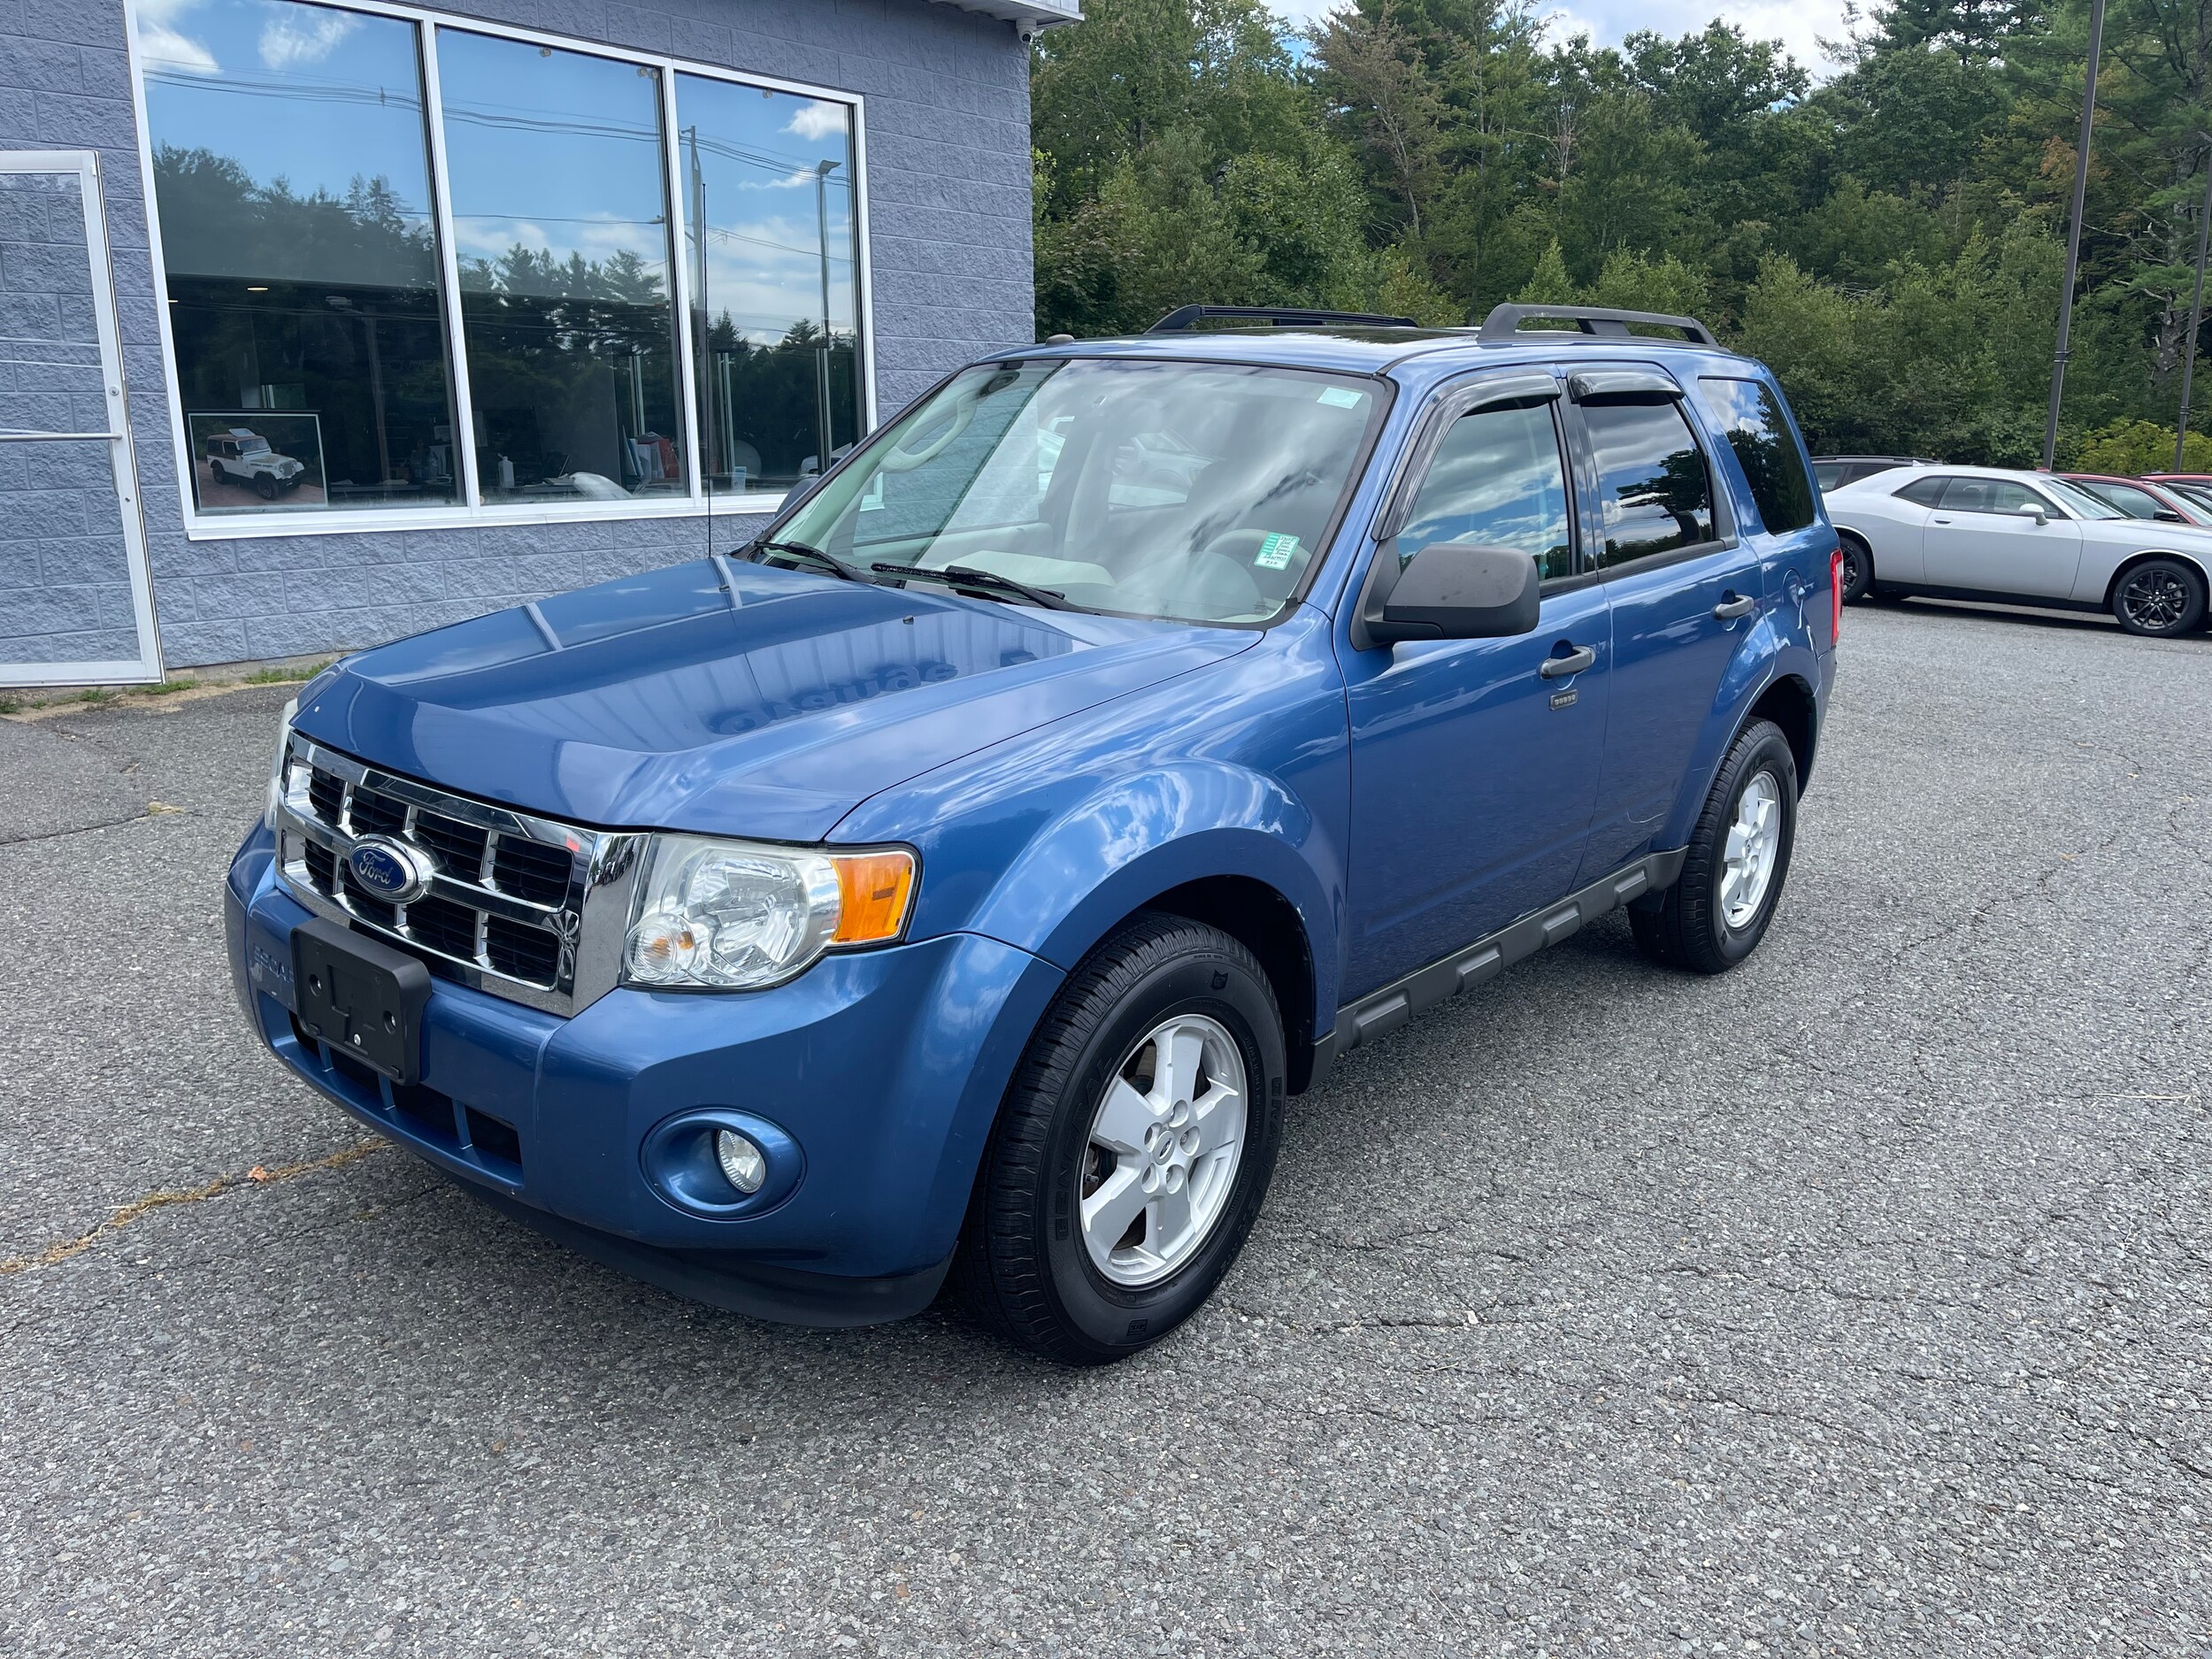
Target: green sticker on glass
1276,552
1342,397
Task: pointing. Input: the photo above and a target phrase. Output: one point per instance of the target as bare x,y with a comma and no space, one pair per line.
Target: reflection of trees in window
321,304
759,401
570,369
1678,490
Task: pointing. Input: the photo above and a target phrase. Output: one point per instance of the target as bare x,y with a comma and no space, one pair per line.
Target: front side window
1497,479
1189,491
1652,484
1751,416
560,224
292,181
771,244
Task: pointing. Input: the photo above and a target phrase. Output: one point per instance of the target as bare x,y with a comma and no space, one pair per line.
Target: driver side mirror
2036,513
2167,515
1450,590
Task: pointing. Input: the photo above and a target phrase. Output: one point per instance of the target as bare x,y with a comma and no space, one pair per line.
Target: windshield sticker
1276,552
1342,397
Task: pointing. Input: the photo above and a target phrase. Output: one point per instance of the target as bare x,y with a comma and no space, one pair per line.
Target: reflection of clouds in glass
303,35
161,41
484,237
766,274
817,118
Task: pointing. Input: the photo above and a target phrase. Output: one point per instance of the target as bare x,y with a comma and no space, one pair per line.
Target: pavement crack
54,1255
87,829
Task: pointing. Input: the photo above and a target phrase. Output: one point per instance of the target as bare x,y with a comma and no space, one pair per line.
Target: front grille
511,895
534,872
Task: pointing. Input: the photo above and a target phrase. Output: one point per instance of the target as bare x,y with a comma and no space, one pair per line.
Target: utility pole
2073,235
2196,311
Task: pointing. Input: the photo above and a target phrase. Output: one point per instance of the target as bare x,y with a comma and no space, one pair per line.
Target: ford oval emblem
388,870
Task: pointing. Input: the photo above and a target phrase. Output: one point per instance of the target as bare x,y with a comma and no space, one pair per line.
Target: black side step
1387,1009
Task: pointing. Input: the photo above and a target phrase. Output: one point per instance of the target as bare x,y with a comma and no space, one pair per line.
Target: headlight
276,764
732,916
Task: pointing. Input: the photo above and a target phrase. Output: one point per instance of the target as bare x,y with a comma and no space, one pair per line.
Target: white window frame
472,510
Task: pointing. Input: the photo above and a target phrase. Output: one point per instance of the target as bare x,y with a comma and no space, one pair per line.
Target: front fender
1141,835
1771,651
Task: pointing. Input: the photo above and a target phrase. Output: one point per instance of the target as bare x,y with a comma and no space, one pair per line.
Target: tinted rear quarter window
1653,488
1923,492
1751,417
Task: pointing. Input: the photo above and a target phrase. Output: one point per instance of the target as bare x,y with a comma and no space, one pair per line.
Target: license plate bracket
361,997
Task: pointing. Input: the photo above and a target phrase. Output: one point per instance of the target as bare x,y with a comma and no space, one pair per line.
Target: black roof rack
1590,322
1183,317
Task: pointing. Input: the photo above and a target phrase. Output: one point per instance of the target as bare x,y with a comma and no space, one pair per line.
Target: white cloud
162,42
288,41
818,118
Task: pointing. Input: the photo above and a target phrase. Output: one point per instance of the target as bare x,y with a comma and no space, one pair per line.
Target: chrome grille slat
558,951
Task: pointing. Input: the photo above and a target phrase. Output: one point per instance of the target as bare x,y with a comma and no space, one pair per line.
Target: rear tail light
1835,596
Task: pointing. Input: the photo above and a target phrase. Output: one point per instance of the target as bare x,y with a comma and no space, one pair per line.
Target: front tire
1133,1147
2160,598
1717,910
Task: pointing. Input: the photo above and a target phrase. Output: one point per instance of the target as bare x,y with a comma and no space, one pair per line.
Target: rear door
1682,585
1982,539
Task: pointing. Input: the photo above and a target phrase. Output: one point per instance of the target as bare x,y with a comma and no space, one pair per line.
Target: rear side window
1497,479
1989,495
1923,492
1652,483
1751,416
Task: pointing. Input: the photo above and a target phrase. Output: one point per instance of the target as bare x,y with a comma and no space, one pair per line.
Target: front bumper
884,1067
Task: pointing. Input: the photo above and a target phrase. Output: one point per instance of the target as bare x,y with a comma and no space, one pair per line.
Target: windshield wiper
987,582
813,556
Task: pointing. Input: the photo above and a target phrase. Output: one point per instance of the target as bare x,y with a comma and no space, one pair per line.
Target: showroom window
419,272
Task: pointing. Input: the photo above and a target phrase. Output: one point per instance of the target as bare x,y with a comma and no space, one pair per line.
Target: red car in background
2155,496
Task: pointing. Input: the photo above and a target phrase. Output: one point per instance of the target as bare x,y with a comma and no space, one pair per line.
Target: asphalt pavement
1858,1301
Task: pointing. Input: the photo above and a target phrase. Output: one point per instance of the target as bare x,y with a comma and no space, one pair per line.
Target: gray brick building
324,324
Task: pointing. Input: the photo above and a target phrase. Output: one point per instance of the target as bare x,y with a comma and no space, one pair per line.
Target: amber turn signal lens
873,890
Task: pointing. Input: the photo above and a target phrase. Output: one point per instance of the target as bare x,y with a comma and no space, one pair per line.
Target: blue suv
959,880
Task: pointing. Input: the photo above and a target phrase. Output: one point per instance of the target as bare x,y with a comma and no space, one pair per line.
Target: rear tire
1717,910
1028,1266
2160,598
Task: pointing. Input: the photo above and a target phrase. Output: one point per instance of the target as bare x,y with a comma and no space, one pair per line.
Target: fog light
741,1163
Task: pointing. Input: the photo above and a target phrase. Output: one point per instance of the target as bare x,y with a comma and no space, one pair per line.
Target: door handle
1573,662
1733,607
1939,519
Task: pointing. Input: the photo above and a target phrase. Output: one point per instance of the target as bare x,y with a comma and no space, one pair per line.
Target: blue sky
1797,23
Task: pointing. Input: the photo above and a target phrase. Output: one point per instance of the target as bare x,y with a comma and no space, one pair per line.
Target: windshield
2195,494
1197,491
2079,500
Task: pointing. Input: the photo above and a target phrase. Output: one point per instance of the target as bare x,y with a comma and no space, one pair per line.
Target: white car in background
2010,537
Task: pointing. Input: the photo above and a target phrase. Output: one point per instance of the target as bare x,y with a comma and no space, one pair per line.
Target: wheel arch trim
2144,556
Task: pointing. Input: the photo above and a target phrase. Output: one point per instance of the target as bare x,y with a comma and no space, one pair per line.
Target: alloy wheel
1754,839
1164,1147
2155,599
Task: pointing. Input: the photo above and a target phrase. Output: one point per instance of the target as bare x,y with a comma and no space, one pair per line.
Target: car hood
728,697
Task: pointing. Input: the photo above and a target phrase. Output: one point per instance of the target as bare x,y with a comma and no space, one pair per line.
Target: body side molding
1391,1007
